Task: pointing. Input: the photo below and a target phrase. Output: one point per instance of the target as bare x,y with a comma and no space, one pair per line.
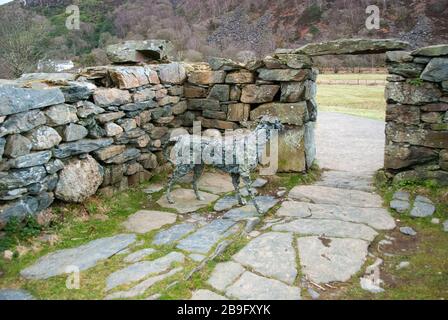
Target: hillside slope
225,27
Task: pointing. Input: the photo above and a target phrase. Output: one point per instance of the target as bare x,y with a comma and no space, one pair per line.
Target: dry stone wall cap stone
352,46
140,51
15,100
224,64
432,51
294,61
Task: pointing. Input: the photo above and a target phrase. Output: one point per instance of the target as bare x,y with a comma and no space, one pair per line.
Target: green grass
352,76
427,276
365,101
76,226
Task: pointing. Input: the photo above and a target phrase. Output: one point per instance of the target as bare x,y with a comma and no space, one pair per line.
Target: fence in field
359,82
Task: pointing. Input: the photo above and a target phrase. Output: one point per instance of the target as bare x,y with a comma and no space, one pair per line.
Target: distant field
366,101
352,76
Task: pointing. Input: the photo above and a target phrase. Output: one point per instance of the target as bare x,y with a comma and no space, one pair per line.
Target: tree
22,42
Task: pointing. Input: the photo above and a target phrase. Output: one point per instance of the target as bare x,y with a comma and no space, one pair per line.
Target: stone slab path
349,143
314,234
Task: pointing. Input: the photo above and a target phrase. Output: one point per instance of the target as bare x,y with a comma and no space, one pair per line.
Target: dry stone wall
68,136
417,114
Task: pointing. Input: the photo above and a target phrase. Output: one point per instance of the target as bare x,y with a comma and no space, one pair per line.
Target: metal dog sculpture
243,151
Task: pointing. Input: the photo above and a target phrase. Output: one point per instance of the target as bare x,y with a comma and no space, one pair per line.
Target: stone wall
417,114
68,136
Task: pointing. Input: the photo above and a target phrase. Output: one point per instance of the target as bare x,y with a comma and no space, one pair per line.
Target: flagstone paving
12,294
185,200
83,257
145,221
313,234
206,237
140,270
271,255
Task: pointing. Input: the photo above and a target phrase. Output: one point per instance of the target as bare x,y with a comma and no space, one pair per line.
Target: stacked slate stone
231,96
417,114
67,136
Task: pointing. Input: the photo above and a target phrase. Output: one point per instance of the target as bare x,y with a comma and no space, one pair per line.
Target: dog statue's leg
178,173
171,183
198,169
248,184
236,185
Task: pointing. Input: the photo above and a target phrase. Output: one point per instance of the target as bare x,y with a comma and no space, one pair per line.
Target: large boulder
79,180
352,46
15,100
140,51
